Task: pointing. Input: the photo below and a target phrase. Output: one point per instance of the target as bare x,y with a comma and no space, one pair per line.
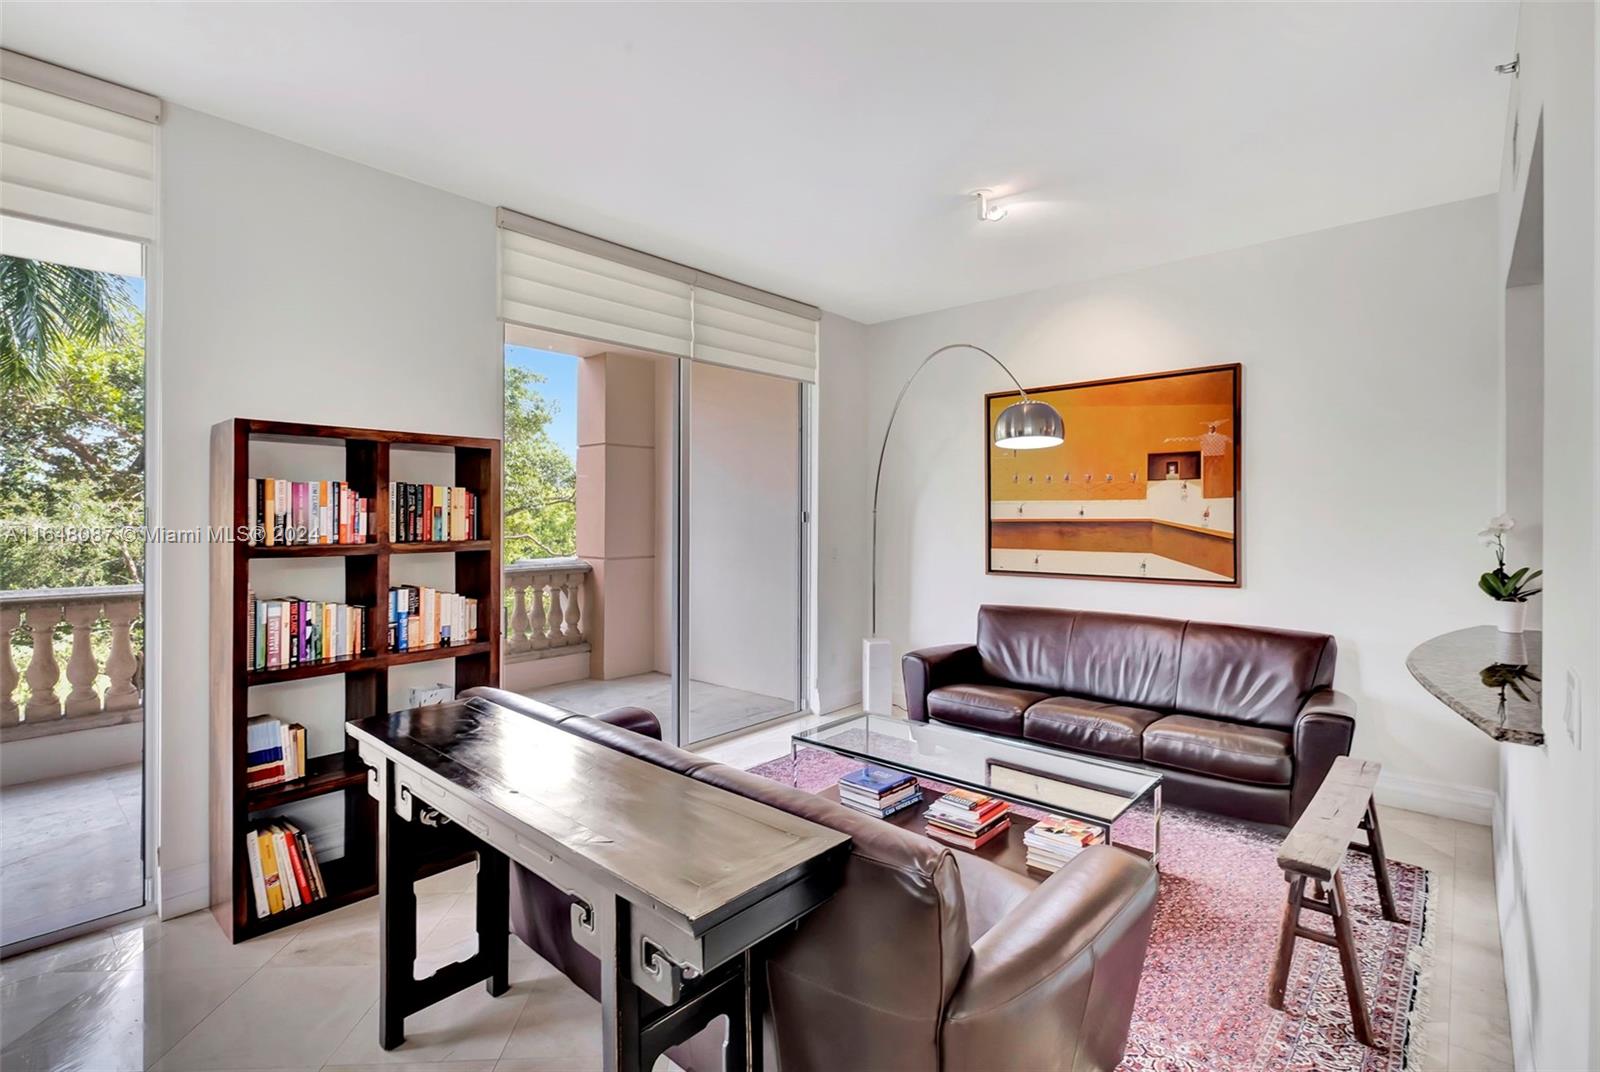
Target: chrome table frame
1153,854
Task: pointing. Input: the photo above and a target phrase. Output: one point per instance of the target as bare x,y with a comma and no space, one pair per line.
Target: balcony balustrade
43,710
548,600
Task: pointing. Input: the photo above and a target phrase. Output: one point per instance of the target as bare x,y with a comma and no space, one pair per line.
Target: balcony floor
70,850
712,709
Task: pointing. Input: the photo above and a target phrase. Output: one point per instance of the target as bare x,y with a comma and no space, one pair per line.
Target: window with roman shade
555,279
76,151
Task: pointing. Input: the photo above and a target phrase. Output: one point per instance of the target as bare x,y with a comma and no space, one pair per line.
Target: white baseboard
1467,803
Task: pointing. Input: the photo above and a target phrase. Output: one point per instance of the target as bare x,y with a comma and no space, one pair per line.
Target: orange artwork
1145,486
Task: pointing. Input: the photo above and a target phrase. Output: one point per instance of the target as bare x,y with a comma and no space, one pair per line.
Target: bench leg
1380,865
1344,936
1291,922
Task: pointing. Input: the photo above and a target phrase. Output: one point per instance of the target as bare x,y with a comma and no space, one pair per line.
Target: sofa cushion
1221,749
1252,674
991,708
1124,659
1089,726
1026,646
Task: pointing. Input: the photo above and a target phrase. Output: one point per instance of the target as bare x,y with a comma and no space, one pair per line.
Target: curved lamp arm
877,481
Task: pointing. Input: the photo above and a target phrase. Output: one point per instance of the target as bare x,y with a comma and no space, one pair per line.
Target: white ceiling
824,151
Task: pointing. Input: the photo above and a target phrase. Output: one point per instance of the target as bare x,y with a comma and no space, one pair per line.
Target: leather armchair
1077,942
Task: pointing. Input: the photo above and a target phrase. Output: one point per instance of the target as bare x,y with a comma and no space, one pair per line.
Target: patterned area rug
1202,999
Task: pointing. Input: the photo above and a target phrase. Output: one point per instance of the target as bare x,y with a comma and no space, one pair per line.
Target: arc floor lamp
1024,425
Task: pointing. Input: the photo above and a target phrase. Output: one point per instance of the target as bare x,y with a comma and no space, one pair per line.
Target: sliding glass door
742,440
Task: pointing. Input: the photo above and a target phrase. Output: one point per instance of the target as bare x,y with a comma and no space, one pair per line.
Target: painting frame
1234,369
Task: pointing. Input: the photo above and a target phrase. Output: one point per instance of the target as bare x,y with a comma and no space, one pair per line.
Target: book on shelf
432,513
275,751
284,872
301,512
968,819
423,617
1055,839
879,791
294,632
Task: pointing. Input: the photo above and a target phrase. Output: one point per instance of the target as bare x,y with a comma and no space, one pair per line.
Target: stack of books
423,513
878,791
291,632
306,511
968,819
1054,840
284,872
423,617
277,751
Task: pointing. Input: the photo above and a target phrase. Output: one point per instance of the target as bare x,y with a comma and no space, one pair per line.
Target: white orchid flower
1499,525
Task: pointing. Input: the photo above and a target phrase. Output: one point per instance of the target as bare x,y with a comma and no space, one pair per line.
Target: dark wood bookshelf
236,808
324,774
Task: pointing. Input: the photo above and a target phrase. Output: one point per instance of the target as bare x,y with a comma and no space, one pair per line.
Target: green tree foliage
45,307
540,478
72,455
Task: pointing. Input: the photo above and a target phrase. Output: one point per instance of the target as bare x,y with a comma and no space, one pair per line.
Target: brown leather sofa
1241,721
924,959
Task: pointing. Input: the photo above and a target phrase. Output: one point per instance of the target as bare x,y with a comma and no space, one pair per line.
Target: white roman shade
745,334
554,287
563,281
75,151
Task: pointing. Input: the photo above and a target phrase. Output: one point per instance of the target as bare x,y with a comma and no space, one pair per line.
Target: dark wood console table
677,883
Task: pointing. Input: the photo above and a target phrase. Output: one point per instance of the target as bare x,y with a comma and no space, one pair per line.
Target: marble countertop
1489,678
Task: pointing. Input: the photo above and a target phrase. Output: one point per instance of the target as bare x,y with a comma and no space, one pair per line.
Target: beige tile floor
176,997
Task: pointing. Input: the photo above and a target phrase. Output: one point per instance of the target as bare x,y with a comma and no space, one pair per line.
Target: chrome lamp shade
1029,425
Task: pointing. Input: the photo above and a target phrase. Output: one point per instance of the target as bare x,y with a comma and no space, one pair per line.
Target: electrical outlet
1572,712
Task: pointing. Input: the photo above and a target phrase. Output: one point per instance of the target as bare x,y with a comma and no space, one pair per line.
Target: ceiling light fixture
986,212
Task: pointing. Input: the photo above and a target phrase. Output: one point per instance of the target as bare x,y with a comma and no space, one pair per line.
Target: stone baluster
575,610
43,671
518,639
558,611
81,668
538,641
10,715
121,664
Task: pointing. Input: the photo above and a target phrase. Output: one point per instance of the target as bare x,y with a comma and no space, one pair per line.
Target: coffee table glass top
1022,772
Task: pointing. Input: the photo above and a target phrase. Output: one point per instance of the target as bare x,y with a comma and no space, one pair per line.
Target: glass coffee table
1097,791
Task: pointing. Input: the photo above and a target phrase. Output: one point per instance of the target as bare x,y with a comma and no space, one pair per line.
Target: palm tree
42,305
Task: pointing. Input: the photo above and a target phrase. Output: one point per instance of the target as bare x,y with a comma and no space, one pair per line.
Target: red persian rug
1202,1000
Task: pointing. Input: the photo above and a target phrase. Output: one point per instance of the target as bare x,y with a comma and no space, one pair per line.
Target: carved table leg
494,918
619,998
397,914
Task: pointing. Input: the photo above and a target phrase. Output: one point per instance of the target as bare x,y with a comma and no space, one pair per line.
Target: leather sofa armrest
928,668
1323,732
1052,984
636,719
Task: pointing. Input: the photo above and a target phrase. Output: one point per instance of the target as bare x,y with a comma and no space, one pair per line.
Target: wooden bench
1315,850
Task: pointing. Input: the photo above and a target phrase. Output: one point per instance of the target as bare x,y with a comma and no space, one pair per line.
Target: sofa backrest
878,962
1235,672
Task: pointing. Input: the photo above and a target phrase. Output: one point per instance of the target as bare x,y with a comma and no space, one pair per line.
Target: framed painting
1144,488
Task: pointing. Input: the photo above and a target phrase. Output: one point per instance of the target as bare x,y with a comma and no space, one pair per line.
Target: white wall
1545,825
841,461
295,286
1368,440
